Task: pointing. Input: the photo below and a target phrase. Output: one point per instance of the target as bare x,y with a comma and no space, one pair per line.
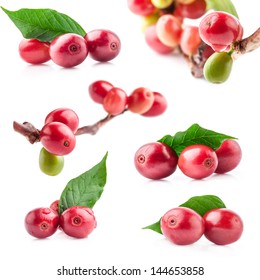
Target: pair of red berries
184,226
157,160
76,221
69,50
115,100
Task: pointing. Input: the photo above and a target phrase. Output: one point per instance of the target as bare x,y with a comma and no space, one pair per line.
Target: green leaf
195,135
86,189
155,227
43,24
222,5
204,203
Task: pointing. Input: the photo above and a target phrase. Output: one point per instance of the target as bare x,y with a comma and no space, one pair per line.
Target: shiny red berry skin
68,50
34,51
190,40
103,45
198,161
182,226
55,205
57,138
223,226
154,42
229,156
41,222
115,101
193,10
140,100
78,221
155,160
141,7
98,90
64,115
159,106
219,30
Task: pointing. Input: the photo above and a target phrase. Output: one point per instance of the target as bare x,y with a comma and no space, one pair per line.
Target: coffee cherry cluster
157,160
184,226
211,43
69,50
115,100
76,221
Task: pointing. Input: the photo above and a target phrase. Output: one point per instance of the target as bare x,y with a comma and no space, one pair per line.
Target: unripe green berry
162,4
218,67
50,164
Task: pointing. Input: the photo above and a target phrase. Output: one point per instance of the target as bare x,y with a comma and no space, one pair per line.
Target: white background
129,201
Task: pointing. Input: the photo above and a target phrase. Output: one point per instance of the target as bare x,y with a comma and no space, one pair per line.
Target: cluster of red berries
76,221
184,226
115,100
157,160
69,50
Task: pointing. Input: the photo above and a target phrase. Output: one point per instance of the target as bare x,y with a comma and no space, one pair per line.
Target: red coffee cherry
103,45
141,7
57,138
68,50
159,106
64,115
223,226
115,101
182,226
155,160
78,221
41,222
198,161
193,10
98,90
229,156
34,51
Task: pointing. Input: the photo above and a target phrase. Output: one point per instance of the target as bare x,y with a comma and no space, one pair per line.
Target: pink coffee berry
182,226
198,161
223,226
140,100
219,30
68,50
155,160
57,138
98,90
229,156
103,45
34,51
64,115
78,221
159,106
41,222
115,101
141,7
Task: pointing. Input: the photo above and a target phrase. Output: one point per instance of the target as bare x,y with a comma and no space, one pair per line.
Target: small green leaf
155,227
222,5
203,204
195,135
43,24
86,189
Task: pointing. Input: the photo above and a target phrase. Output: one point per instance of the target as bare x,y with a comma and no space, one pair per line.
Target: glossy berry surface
34,51
78,221
115,101
141,7
68,50
41,222
57,138
155,160
219,30
223,226
152,40
55,205
140,100
98,90
218,67
229,156
182,226
159,106
193,10
103,45
169,30
198,161
190,40
50,164
64,115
